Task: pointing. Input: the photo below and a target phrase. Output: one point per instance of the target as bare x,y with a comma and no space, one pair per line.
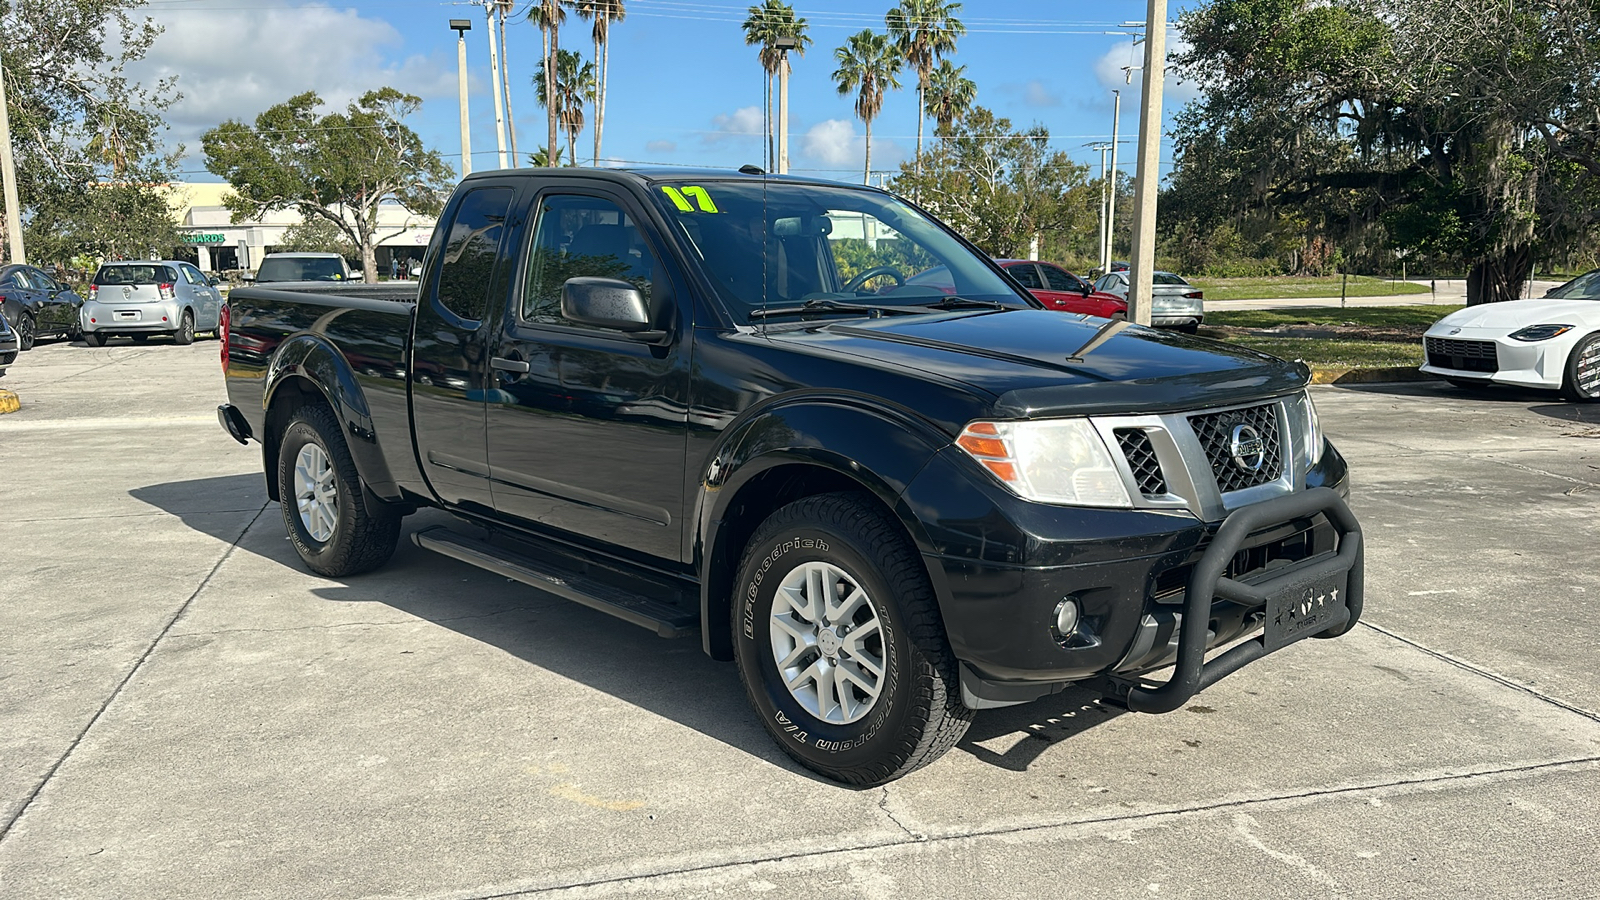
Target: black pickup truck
812,425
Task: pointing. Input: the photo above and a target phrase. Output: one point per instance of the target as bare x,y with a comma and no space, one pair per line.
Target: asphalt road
188,713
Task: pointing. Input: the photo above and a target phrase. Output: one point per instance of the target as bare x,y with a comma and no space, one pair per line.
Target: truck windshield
782,245
301,268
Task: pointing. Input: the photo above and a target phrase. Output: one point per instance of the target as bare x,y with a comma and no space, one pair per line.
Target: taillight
1195,295
222,332
166,290
94,292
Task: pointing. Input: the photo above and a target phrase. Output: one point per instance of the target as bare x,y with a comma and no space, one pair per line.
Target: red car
1059,289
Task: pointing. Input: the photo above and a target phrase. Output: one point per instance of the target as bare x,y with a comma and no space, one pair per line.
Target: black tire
363,534
185,333
917,715
26,332
95,338
1190,328
1581,381
139,338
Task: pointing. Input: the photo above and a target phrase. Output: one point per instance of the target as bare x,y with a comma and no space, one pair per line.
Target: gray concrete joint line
1193,809
5,829
883,804
1495,677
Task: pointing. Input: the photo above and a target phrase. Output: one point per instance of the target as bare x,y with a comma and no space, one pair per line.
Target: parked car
1552,342
140,298
1176,303
284,267
35,305
889,506
9,346
1059,289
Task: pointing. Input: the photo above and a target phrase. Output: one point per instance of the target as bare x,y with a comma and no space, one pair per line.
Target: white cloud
662,146
1108,70
836,144
1036,94
745,122
235,63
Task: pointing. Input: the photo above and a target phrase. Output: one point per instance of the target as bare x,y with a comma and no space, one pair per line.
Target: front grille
1465,356
1215,431
1142,460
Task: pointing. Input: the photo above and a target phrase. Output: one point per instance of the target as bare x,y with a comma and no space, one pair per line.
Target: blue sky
684,88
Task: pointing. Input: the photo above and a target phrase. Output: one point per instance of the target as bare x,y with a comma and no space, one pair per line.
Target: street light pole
1104,185
8,173
783,46
461,27
1110,244
1148,176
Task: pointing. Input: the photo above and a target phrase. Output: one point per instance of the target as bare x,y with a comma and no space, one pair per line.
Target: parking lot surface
187,712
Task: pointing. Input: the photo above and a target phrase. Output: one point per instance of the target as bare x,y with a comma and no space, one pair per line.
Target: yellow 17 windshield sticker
680,198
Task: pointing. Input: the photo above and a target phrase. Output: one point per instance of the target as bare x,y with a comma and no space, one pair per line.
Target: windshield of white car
301,268
1584,287
781,245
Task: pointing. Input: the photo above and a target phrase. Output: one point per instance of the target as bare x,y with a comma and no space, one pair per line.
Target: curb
9,402
1368,376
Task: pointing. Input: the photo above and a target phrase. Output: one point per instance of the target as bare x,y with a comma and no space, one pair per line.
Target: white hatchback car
1552,342
139,298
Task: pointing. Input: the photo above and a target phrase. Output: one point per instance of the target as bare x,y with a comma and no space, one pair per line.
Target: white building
216,244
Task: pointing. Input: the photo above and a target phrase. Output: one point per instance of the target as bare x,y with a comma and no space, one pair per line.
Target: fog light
1067,617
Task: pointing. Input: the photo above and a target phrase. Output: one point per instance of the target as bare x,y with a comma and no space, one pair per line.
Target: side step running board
663,618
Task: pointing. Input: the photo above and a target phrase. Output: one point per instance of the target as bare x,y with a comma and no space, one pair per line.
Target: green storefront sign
205,239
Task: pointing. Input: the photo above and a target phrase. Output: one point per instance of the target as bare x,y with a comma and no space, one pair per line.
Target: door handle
507,365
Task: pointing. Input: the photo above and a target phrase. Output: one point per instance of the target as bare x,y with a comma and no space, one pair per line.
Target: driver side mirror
608,303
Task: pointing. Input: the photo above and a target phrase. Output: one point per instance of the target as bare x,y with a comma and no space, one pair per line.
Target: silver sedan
1175,303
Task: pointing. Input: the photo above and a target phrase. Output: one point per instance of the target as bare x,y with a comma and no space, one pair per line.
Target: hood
1021,358
1514,314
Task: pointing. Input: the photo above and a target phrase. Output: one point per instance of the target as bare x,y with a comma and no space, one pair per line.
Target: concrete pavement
189,713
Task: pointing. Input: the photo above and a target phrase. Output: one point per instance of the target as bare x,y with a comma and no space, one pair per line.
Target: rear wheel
839,643
94,338
25,332
333,527
1582,380
185,332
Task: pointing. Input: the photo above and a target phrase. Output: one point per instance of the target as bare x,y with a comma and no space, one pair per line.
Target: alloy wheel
316,495
827,642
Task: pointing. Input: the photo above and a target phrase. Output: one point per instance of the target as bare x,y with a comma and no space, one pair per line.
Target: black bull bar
1318,598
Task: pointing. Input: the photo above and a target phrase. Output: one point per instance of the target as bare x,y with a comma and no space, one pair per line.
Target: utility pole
1111,202
1148,174
783,46
461,27
505,79
8,169
494,73
1104,192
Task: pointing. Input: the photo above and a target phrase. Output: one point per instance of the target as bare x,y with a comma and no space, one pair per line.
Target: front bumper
1490,356
1152,587
96,317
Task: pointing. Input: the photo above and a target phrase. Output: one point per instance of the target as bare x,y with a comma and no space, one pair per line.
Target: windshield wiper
953,302
819,306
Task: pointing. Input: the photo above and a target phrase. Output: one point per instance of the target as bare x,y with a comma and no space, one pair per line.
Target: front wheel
331,526
1582,380
840,645
185,333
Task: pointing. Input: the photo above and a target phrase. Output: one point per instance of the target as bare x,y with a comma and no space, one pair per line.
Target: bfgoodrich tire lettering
332,529
847,546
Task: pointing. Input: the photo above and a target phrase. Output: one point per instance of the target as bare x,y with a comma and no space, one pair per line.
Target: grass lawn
1356,337
1286,286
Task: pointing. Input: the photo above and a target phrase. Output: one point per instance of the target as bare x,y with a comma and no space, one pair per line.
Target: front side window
466,271
766,244
582,236
192,275
1060,280
1584,287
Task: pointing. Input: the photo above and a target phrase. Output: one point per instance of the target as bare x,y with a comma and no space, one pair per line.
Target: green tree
574,85
764,25
602,13
868,65
318,236
948,96
78,122
336,167
1000,187
924,31
1447,128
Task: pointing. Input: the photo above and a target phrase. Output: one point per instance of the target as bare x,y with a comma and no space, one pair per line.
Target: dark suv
36,305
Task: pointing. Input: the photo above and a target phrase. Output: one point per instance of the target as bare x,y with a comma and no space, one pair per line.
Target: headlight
1540,332
1048,461
1313,432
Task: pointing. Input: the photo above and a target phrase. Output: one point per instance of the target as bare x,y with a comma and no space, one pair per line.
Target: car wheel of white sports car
1582,381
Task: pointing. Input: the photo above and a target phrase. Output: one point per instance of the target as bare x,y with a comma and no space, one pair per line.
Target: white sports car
1552,342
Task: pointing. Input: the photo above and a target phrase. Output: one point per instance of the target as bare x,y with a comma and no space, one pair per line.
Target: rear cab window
466,271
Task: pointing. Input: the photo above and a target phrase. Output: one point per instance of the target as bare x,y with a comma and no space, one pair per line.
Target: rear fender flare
311,358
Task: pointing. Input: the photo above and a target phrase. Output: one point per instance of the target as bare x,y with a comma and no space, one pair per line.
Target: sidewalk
1451,292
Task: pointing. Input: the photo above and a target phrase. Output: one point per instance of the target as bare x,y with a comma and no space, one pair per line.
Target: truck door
587,432
449,354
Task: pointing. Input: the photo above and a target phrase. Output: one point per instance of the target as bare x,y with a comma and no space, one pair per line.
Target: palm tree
868,64
574,86
548,16
923,32
766,23
602,13
948,96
